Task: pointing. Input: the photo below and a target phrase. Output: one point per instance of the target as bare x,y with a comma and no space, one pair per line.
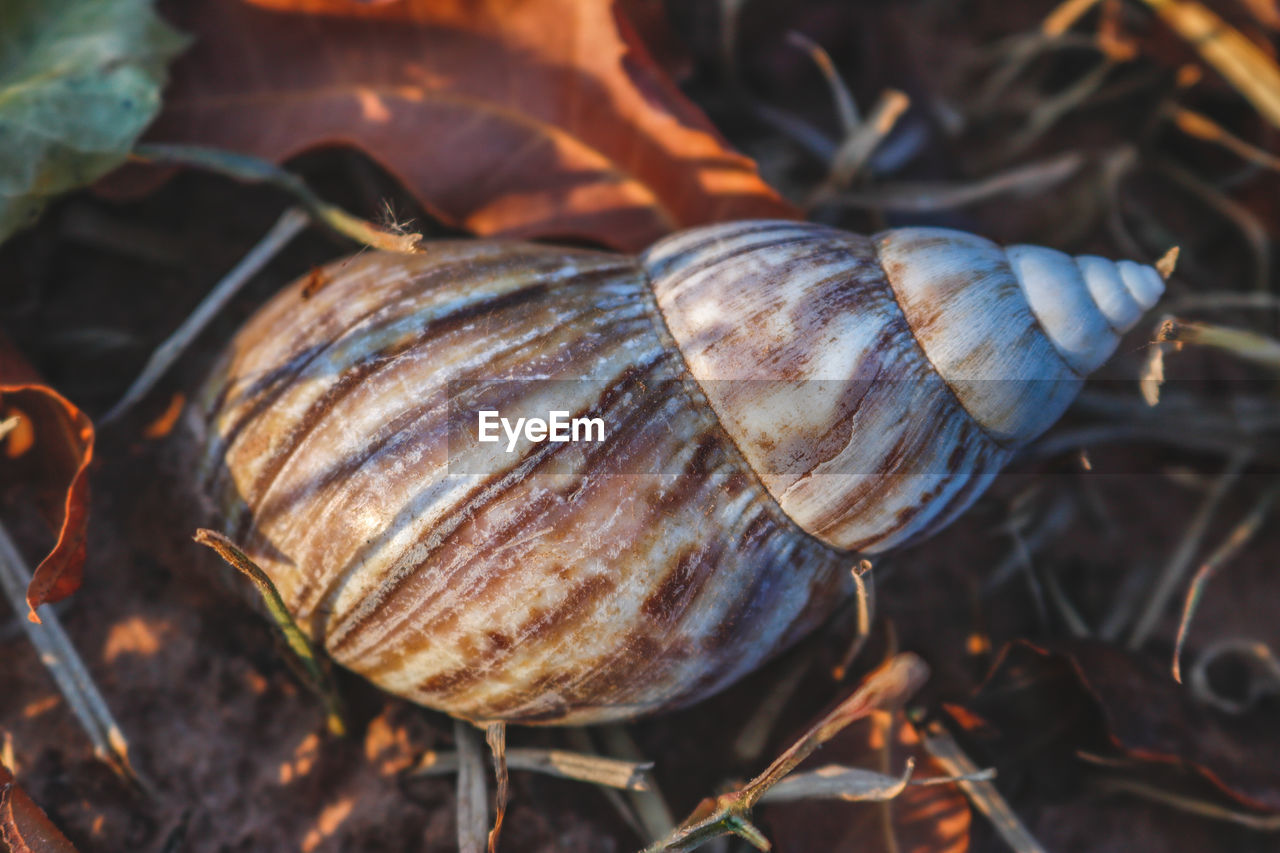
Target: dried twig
1242,343
316,672
859,144
1028,46
1237,539
291,222
864,604
650,804
1202,127
473,818
1251,228
1066,609
1176,566
1049,111
982,793
65,666
750,743
930,196
578,766
245,168
888,686
496,737
834,782
846,107
1191,805
1245,65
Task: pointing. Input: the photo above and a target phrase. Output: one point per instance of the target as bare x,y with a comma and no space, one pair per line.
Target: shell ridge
451,523
1001,442
693,388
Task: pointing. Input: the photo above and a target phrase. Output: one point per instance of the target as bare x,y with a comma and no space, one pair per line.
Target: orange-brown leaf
51,458
24,827
542,118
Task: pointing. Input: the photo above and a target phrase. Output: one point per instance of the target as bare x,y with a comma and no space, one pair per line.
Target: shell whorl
560,583
876,385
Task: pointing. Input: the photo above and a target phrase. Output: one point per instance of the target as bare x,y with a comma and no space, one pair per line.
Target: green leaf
79,81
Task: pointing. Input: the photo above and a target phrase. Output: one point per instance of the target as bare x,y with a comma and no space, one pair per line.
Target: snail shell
777,395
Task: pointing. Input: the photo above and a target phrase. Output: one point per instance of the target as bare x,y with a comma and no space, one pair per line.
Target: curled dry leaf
1092,712
543,119
24,827
47,449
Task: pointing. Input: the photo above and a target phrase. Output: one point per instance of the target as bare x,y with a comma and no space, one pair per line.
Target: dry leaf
24,827
540,119
79,80
48,449
1086,710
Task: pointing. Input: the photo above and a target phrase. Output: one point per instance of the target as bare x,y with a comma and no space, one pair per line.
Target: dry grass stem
62,661
1167,263
578,766
1225,302
1116,166
1049,111
846,106
1065,608
496,737
1029,536
89,225
729,11
864,607
473,817
650,804
580,739
939,743
1027,46
859,144
1180,560
1256,235
1224,553
929,196
1125,600
1151,376
1246,66
751,741
313,668
834,782
820,146
1202,127
887,687
251,169
291,222
1242,343
1190,805
1064,16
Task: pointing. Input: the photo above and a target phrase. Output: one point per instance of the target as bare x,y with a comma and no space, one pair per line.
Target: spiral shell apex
777,395
880,382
